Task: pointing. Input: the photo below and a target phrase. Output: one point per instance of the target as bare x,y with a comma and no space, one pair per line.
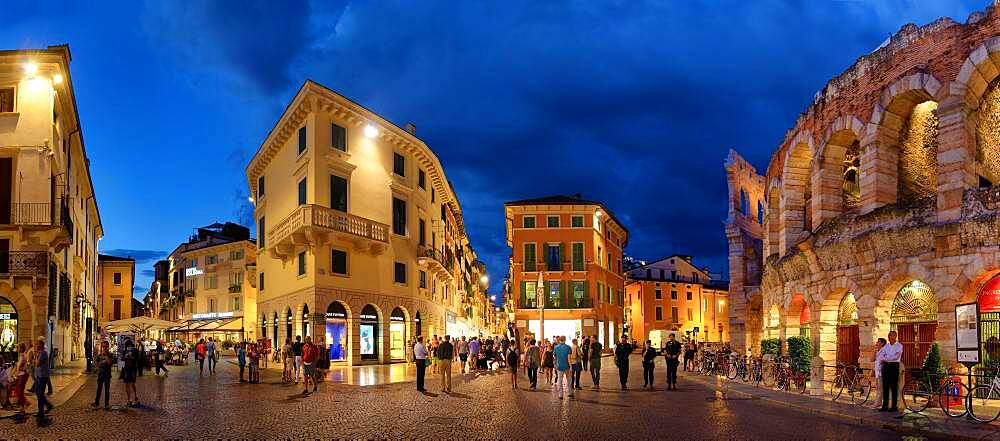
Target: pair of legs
421,373
298,367
890,385
564,383
513,376
445,375
647,374
43,402
577,370
105,385
533,377
595,371
672,374
308,376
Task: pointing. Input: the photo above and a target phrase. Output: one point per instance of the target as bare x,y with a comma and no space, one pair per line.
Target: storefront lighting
57,78
370,131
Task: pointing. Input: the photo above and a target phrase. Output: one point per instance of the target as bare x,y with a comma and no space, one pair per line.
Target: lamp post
540,294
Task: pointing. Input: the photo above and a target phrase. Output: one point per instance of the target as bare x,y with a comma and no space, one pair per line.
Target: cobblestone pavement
186,405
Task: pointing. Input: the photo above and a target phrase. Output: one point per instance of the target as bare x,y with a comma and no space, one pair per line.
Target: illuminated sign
212,315
989,296
191,272
369,317
8,316
336,315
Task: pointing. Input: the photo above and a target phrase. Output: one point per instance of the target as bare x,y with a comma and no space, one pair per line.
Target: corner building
577,246
115,279
880,209
361,240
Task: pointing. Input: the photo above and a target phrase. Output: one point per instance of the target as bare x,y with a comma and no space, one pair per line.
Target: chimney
410,128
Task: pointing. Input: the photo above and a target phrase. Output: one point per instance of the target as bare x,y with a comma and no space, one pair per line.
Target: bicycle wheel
801,382
953,399
836,387
732,372
861,389
984,403
916,396
756,375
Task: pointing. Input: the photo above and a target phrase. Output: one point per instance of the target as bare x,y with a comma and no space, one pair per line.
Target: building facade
49,222
361,240
879,210
672,295
211,285
115,278
575,246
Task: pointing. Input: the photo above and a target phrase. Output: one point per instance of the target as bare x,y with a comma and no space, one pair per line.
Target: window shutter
562,255
544,255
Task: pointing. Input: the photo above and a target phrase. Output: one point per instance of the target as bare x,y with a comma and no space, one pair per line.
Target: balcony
44,216
561,302
24,264
437,262
235,289
316,225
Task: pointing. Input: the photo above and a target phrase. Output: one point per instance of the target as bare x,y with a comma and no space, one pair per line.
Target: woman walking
20,373
512,364
104,363
288,357
548,361
128,373
199,353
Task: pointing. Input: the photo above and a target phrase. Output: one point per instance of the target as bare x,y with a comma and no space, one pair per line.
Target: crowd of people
32,364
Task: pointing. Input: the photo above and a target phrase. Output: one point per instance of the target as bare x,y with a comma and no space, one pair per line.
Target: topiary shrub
932,368
800,353
770,346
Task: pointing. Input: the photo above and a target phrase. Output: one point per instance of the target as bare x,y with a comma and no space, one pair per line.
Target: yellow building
49,223
115,278
361,240
211,289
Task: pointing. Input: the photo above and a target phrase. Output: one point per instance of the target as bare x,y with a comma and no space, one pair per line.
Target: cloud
147,273
140,256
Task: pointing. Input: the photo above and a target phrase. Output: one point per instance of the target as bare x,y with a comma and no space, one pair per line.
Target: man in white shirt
889,357
420,358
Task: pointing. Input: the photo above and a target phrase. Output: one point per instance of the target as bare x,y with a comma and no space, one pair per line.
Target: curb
901,427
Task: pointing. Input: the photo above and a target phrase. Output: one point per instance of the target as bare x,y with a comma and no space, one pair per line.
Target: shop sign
396,319
967,333
191,272
989,296
212,315
8,316
369,317
335,315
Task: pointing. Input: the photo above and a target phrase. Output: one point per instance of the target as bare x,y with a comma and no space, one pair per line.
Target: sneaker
94,405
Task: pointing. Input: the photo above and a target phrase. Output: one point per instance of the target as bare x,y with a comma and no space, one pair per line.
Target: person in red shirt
310,354
199,353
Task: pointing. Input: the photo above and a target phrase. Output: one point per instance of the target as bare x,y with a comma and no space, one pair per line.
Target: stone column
827,184
956,158
879,172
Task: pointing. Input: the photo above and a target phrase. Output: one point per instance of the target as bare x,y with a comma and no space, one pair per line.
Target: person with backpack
310,355
532,360
199,354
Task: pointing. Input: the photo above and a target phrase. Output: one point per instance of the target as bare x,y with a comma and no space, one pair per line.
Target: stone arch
275,326
288,323
773,219
744,202
25,314
797,315
978,88
304,321
377,341
837,174
338,334
796,191
405,325
899,152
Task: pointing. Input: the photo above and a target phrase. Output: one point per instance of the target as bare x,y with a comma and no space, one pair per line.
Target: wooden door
848,345
916,339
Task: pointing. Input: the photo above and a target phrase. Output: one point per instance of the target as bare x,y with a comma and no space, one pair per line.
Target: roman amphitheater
880,209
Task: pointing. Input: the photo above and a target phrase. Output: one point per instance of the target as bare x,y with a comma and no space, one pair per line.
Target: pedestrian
576,364
288,361
445,353
241,358
255,355
104,362
420,358
434,356
561,353
548,361
41,379
648,355
210,354
463,353
622,352
158,359
474,347
199,353
532,360
586,352
21,372
512,357
595,362
297,352
889,357
140,359
671,352
310,354
129,371
878,372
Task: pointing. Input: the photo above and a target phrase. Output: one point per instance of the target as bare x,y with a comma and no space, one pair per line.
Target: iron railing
24,263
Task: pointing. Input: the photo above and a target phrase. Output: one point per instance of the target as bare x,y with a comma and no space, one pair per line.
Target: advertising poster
367,339
967,332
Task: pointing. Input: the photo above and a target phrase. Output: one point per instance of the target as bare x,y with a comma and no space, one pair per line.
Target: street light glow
370,131
30,68
57,78
484,280
493,298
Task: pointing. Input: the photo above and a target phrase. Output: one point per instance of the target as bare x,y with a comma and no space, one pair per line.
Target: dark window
338,137
659,294
398,164
421,179
117,278
7,99
421,233
338,264
400,273
302,140
302,191
260,281
689,295
118,310
260,187
338,193
529,257
659,313
673,295
673,314
553,221
260,233
577,221
554,258
302,263
577,257
399,216
423,279
528,222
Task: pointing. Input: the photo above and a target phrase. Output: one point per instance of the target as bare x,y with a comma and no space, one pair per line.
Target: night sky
631,103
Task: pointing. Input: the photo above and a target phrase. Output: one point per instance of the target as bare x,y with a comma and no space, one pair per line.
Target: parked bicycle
788,378
983,403
851,379
924,387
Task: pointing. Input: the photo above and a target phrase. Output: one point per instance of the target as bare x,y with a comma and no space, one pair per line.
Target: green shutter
524,292
562,255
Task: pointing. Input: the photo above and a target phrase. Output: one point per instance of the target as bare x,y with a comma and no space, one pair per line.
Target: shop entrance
397,335
8,329
989,324
914,318
848,333
368,333
336,331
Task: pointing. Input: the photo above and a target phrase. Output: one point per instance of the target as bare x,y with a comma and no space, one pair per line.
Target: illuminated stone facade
879,210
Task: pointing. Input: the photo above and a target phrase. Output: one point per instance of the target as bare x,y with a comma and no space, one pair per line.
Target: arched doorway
306,325
288,324
914,318
8,329
368,329
336,331
417,328
989,322
848,333
804,321
397,335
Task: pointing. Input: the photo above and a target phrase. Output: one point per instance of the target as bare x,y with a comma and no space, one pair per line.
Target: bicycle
756,374
787,377
983,403
918,393
853,380
737,368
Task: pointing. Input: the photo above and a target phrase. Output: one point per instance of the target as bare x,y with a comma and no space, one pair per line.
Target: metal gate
989,337
916,339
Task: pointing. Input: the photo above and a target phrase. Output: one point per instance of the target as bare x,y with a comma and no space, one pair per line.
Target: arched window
8,328
288,324
760,212
744,202
368,330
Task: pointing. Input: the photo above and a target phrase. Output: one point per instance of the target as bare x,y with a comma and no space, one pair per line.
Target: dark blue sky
632,103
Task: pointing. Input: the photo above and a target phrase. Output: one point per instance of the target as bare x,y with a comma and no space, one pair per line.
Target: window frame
347,262
13,102
396,273
403,224
573,219
116,279
421,179
333,138
303,190
347,192
524,222
301,264
549,223
398,156
303,141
